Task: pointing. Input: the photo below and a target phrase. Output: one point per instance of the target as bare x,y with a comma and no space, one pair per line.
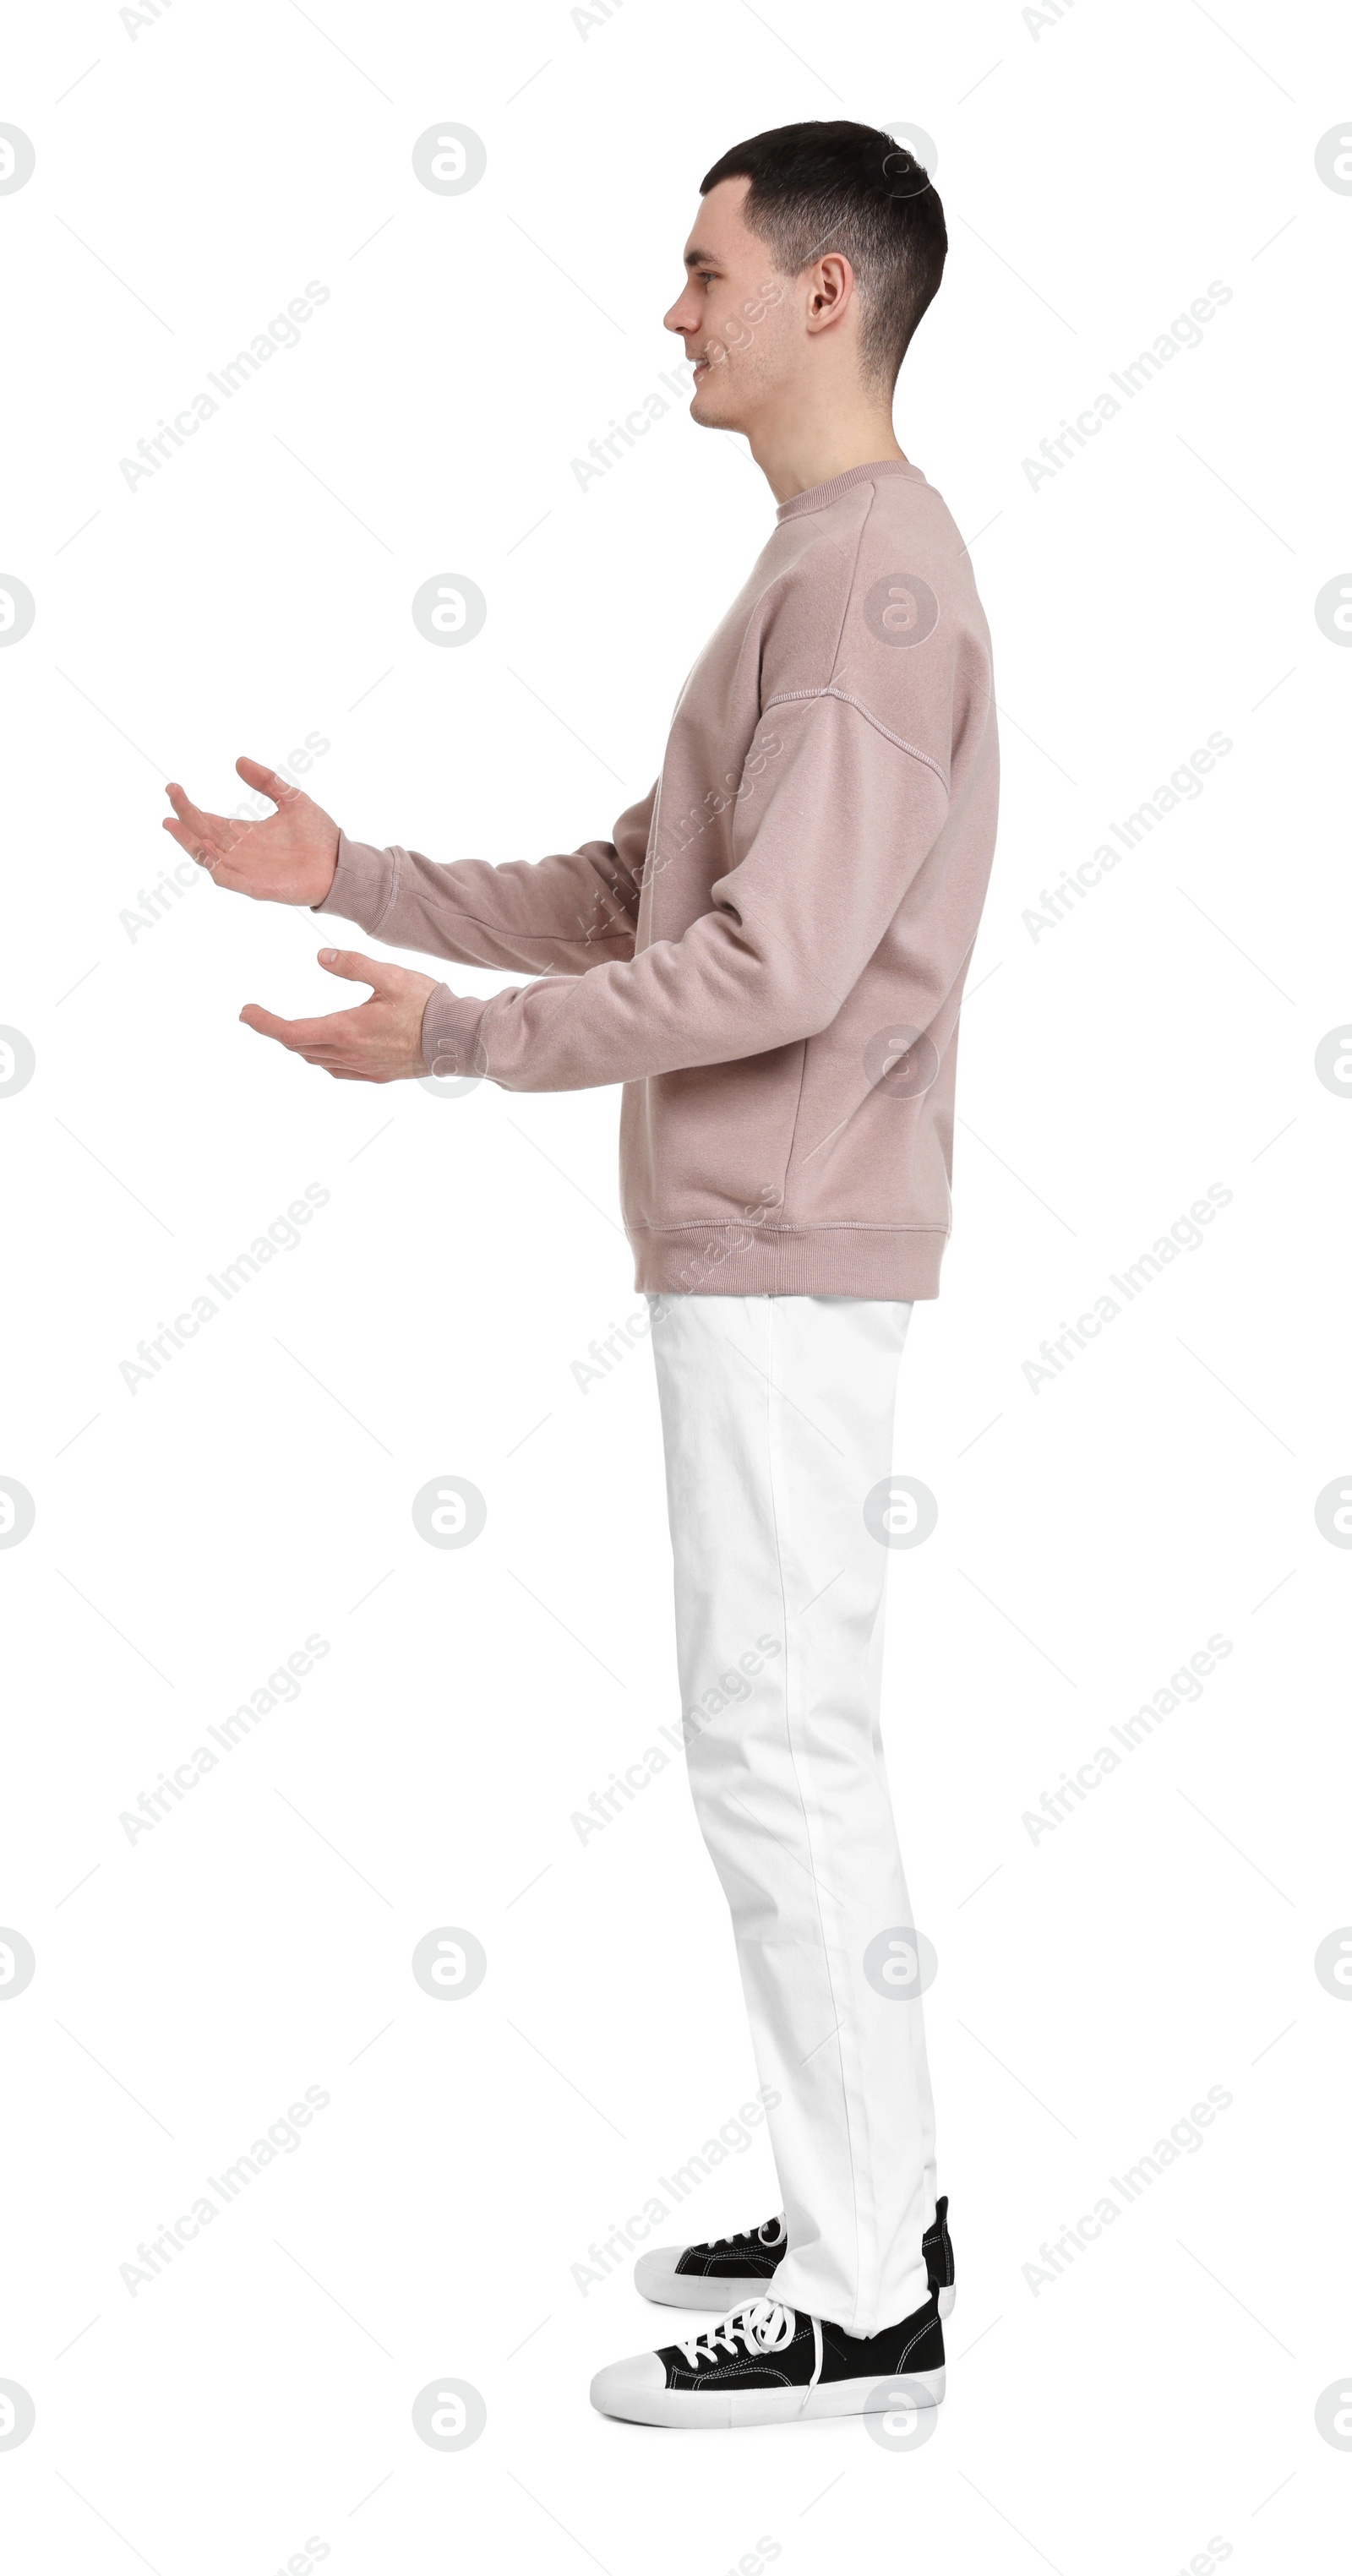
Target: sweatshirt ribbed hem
783,1261
363,884
451,1043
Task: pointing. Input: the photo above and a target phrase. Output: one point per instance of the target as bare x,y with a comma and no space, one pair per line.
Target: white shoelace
764,2326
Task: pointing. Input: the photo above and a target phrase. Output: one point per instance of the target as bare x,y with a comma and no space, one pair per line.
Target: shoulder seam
783,696
872,490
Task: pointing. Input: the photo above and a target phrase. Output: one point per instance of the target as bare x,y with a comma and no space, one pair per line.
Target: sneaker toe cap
623,2386
654,2269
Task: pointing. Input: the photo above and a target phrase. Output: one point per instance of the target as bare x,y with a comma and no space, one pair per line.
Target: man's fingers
300,1035
195,819
317,1041
183,805
304,1037
196,831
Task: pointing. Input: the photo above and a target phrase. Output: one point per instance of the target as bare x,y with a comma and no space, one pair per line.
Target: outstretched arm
819,868
565,913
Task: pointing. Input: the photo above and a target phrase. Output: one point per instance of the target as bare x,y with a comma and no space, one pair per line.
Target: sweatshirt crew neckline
820,495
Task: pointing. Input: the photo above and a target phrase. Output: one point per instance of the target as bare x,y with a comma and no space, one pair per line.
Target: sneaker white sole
656,2278
721,2410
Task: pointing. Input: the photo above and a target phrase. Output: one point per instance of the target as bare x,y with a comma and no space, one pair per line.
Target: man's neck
794,456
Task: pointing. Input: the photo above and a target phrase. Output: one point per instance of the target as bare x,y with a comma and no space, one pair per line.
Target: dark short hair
835,186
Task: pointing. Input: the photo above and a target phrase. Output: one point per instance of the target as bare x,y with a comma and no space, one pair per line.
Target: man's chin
709,406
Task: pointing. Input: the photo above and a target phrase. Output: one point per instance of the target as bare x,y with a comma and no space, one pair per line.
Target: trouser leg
777,1418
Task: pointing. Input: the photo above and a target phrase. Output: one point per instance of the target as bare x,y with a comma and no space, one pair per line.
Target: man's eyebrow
697,258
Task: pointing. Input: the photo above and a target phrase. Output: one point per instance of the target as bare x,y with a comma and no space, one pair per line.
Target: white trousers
777,1417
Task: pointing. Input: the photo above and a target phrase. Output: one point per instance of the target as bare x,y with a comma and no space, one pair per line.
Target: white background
1098,172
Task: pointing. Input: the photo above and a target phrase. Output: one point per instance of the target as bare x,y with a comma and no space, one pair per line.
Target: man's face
735,314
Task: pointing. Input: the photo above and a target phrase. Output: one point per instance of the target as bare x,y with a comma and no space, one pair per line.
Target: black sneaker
742,2268
767,2364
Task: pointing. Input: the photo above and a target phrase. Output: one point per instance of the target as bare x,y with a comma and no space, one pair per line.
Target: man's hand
288,858
379,1041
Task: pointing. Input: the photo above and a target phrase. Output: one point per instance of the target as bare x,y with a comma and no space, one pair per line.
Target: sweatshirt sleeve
568,913
841,819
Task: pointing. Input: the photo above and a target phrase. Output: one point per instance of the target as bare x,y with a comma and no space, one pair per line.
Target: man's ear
831,291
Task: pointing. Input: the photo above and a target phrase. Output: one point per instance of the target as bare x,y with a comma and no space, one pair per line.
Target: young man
769,955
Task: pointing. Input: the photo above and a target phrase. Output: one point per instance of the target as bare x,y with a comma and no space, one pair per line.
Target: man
769,955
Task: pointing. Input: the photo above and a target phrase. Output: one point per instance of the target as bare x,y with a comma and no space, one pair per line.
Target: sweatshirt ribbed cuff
363,883
451,1043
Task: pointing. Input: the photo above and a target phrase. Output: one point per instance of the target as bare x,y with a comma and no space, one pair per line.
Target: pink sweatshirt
770,952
